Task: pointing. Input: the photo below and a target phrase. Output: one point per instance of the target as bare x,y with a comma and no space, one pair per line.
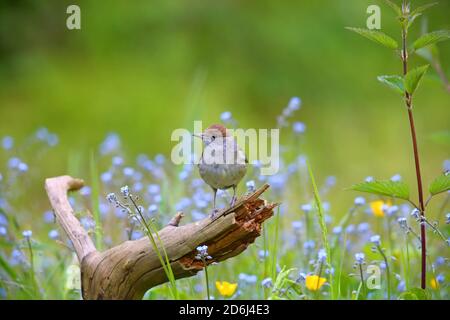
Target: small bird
222,164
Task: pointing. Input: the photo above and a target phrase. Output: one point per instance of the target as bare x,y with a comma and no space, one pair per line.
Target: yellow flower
314,282
225,288
377,207
434,283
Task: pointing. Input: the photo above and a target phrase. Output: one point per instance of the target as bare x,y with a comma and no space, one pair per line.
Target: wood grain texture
128,270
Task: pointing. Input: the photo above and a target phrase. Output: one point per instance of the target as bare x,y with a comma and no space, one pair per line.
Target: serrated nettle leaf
431,38
413,77
440,184
376,36
393,82
421,294
415,294
407,296
389,188
394,6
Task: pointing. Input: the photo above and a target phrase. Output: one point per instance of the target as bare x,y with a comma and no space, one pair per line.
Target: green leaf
440,184
413,77
407,296
5,266
95,196
281,282
396,189
431,38
415,294
323,226
393,82
421,9
394,6
412,19
376,36
422,294
428,53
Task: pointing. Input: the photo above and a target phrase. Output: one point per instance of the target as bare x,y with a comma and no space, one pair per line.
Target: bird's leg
214,201
233,199
214,211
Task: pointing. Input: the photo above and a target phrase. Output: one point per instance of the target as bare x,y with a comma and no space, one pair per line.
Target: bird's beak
198,136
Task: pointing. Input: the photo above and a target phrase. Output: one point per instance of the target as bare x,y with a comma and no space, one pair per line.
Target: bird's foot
214,212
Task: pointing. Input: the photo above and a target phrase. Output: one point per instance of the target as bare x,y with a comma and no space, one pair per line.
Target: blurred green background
144,68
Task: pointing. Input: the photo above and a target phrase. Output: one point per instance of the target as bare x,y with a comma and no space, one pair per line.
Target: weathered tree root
128,270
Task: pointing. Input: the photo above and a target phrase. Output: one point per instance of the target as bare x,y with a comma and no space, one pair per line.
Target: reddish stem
408,101
421,203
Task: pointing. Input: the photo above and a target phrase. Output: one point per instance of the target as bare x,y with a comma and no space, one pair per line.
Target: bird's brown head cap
218,128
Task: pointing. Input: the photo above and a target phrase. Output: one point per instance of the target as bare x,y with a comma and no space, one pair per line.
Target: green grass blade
323,226
274,247
4,265
168,268
95,198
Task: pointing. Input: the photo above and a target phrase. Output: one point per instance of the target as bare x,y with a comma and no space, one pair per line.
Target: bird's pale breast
218,174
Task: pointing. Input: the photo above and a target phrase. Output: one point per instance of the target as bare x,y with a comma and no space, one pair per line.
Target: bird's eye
213,137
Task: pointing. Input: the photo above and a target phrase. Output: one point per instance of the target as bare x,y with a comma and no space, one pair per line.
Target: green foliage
431,38
421,9
323,225
46,80
4,265
440,184
413,77
413,15
95,195
274,247
150,229
415,294
395,189
411,19
407,295
407,19
376,36
394,82
281,287
429,53
395,7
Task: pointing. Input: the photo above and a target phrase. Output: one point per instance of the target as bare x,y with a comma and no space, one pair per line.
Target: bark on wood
128,270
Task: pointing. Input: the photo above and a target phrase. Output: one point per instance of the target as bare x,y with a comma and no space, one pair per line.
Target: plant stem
361,274
323,228
435,229
408,264
207,281
408,101
388,276
265,248
274,253
165,264
96,203
319,274
32,272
